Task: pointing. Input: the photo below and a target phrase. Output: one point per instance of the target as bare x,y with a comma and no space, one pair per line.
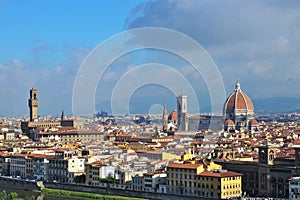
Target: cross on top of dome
238,86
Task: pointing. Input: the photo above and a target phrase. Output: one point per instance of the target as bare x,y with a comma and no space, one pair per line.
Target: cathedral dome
229,122
173,116
238,101
253,122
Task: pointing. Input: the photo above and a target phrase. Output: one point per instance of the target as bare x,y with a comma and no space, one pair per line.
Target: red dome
238,100
253,122
173,116
229,122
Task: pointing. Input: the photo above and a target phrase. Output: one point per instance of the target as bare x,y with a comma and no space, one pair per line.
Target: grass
61,193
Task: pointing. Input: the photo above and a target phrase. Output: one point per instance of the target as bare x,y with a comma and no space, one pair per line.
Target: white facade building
294,188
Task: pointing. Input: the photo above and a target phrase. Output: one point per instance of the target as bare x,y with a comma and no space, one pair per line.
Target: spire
63,115
165,110
237,86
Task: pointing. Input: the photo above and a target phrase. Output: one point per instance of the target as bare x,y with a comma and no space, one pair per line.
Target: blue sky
44,43
39,36
27,25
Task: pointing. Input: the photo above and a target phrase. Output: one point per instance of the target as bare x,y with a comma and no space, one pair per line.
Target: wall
117,192
20,184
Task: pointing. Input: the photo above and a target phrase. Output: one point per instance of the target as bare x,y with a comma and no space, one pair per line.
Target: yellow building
203,179
182,178
219,184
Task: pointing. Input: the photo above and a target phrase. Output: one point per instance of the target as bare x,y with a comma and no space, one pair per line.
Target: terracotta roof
124,135
297,142
219,173
253,122
18,155
38,155
229,122
173,115
184,166
238,100
147,151
153,173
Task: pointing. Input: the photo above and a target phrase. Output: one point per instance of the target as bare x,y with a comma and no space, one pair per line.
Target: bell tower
33,104
182,121
165,120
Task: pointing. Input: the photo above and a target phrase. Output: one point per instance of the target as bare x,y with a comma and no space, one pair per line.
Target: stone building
31,127
294,188
267,176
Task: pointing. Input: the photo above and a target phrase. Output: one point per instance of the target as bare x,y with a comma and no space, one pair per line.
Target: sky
44,43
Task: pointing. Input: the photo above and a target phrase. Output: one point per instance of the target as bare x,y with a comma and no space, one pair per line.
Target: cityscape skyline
46,48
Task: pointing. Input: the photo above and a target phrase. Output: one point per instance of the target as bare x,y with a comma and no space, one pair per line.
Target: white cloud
54,84
254,41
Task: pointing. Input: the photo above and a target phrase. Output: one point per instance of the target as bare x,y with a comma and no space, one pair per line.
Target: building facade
294,188
267,176
219,184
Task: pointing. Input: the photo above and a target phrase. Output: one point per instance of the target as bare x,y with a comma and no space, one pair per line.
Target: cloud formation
54,83
253,41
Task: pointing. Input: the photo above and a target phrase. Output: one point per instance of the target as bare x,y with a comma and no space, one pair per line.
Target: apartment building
182,178
18,165
97,170
155,182
40,166
219,184
294,188
4,164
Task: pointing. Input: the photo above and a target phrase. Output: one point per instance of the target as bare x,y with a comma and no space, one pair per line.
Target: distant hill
277,105
261,106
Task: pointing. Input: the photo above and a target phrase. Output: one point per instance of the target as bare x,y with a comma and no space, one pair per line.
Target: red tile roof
184,166
219,173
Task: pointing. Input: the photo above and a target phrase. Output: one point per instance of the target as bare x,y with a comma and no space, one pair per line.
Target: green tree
13,195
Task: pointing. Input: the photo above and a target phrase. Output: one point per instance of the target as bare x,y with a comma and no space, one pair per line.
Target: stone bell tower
182,120
33,104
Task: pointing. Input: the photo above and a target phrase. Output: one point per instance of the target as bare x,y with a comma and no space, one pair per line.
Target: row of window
182,183
185,176
294,183
232,178
231,186
58,172
17,162
232,193
181,170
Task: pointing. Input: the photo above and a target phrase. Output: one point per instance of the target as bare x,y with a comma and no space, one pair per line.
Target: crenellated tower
33,104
